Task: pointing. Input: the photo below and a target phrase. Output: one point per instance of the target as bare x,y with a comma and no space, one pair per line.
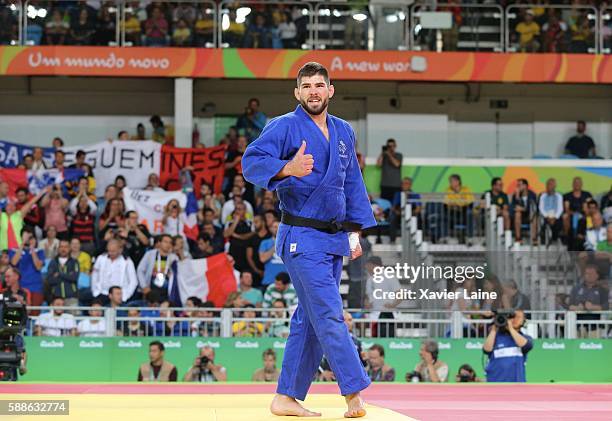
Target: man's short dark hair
456,177
158,344
283,277
253,99
310,69
128,213
391,140
80,153
494,180
57,297
379,348
160,237
111,289
195,300
23,189
153,296
98,301
120,133
207,304
61,141
59,151
581,122
524,181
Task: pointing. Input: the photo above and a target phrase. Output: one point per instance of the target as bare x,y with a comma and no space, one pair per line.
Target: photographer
429,369
507,348
390,163
205,370
466,374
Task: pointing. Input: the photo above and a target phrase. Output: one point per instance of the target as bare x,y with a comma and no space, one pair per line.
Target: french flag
36,181
210,279
190,227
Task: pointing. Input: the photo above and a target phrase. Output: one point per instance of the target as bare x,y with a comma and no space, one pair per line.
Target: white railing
403,324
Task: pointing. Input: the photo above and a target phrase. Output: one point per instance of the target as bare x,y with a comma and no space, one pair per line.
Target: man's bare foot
286,405
355,406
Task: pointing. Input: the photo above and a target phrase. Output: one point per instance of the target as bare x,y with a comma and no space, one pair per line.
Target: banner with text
150,205
11,154
284,64
133,160
208,166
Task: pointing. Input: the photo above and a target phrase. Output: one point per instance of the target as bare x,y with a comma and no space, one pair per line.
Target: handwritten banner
208,166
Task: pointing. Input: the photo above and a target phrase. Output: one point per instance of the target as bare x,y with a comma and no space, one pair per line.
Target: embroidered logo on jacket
342,148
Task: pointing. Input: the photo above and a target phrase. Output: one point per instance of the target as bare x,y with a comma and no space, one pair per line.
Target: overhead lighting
417,28
42,13
337,13
401,15
13,7
359,17
304,12
225,22
324,12
391,18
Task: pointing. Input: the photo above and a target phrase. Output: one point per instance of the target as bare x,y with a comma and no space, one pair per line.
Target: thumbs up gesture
301,164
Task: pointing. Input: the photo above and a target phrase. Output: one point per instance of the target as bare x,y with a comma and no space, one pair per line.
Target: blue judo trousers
333,191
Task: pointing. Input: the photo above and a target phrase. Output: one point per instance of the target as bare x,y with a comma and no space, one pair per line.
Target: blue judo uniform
334,190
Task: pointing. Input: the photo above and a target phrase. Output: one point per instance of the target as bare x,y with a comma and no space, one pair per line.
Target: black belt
330,227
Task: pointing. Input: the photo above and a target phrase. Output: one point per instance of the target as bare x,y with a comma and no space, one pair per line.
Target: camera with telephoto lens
13,320
204,362
501,317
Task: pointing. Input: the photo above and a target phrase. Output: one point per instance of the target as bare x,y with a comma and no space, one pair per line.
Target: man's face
454,183
113,250
278,313
577,184
279,285
208,216
580,127
240,210
274,228
348,321
116,296
551,185
253,105
22,196
59,159
406,184
391,145
521,186
4,189
155,354
239,182
258,222
28,161
38,154
165,245
210,230
64,249
246,279
58,302
80,160
75,245
10,278
597,220
376,361
133,218
96,311
498,186
269,362
314,94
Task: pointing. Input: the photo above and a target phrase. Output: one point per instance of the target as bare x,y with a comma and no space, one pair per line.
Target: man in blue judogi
308,157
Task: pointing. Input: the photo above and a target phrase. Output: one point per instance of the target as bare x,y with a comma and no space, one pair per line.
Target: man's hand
301,165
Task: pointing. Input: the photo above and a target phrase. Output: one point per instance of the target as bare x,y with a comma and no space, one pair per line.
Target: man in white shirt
95,325
230,205
551,208
55,322
112,269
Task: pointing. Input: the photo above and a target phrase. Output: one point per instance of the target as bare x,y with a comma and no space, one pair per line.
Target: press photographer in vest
157,369
507,348
204,369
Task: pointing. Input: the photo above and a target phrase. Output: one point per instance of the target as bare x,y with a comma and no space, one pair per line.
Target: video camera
13,320
501,317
